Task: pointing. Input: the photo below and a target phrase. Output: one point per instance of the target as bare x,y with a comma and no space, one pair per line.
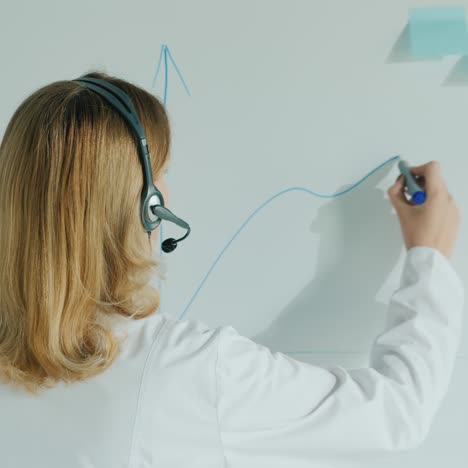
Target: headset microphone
162,212
152,201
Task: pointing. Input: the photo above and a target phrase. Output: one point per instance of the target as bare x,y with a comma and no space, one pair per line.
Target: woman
93,375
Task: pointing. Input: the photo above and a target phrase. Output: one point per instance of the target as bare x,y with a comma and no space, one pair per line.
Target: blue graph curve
163,55
269,200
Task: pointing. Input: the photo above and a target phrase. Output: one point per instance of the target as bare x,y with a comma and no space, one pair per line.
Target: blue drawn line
248,219
163,55
165,75
260,207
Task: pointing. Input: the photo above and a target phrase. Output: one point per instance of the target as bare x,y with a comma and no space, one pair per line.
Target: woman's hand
434,223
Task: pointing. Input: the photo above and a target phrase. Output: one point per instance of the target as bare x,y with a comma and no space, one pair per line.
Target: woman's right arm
276,411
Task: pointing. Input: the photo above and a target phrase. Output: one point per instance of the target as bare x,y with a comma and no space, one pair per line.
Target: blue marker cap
418,195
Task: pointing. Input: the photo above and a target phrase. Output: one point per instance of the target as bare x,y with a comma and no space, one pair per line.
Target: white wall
283,94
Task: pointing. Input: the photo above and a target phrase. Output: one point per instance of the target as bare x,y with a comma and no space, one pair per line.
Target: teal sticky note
438,31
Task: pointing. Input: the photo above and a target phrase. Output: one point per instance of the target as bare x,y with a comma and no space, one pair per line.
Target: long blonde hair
72,245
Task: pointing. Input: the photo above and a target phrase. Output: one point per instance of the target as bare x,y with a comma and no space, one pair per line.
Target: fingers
396,192
430,176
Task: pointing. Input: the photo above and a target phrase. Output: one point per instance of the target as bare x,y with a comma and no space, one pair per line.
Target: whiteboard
278,95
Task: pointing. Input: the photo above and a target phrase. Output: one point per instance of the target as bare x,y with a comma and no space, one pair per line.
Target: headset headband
150,195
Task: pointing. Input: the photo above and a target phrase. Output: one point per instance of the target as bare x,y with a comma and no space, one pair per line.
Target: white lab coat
182,394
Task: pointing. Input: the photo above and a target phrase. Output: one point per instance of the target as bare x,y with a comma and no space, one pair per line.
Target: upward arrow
164,53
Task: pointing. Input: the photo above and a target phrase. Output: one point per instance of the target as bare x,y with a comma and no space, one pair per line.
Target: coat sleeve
279,411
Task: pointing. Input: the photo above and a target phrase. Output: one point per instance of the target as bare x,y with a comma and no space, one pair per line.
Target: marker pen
418,195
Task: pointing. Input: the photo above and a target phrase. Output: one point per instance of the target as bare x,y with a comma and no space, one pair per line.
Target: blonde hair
73,248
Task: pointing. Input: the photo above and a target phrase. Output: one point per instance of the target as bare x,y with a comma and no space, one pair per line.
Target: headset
152,200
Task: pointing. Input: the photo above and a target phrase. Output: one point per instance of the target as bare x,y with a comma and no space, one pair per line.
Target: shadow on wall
459,74
360,244
401,53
